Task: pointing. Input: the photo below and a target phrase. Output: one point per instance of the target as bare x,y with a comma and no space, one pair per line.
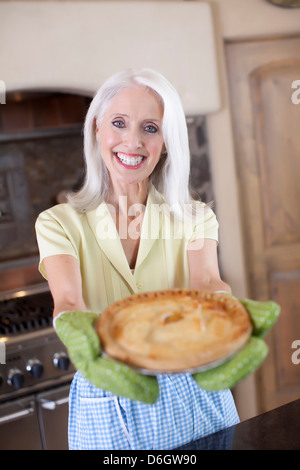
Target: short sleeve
52,239
206,224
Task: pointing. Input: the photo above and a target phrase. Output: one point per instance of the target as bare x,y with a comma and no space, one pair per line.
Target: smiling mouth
132,161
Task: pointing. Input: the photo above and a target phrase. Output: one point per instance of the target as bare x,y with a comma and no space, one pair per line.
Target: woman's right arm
64,278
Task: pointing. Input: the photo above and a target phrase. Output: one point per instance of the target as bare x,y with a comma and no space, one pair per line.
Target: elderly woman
134,227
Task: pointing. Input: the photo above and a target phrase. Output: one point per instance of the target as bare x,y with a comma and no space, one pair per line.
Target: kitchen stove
23,314
33,364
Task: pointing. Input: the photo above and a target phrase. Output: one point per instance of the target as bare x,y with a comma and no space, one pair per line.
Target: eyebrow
119,114
126,115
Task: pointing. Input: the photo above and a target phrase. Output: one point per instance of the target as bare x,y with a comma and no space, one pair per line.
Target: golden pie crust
173,330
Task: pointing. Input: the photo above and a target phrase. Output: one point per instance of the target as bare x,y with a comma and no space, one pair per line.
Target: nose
133,138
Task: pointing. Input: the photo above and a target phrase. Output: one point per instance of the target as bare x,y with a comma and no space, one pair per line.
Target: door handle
52,404
16,415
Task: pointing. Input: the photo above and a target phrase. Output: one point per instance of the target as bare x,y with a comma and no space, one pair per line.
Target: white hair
171,175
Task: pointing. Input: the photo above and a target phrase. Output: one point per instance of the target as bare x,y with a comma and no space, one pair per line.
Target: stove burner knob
35,367
15,378
61,361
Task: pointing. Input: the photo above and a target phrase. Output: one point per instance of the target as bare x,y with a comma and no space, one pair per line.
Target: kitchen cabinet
264,82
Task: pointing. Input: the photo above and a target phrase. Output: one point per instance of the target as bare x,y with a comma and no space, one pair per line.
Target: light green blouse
92,238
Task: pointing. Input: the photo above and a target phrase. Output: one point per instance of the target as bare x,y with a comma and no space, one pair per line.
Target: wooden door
264,79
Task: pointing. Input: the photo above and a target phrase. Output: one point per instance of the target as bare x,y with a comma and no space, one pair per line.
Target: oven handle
16,415
52,404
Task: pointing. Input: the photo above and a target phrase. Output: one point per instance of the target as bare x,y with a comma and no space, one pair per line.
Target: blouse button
139,285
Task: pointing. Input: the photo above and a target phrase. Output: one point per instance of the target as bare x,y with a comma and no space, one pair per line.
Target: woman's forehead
136,98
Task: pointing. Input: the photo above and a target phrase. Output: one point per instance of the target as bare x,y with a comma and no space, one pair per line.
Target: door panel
276,127
53,410
19,426
285,288
267,147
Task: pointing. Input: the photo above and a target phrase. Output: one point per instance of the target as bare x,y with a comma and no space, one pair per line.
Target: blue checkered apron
183,412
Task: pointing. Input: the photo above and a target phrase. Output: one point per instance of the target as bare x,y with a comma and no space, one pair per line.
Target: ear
96,129
164,152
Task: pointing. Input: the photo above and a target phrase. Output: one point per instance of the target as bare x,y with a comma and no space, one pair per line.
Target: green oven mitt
250,357
76,330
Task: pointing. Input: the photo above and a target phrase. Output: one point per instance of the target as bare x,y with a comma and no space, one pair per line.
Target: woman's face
130,135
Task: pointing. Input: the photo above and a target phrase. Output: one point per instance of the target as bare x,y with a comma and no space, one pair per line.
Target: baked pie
174,330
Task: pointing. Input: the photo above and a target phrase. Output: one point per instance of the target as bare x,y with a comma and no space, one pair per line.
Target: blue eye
118,123
151,128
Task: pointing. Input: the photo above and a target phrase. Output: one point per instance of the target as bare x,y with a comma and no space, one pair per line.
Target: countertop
278,429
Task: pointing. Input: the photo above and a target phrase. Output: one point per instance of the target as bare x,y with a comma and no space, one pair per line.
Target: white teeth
129,160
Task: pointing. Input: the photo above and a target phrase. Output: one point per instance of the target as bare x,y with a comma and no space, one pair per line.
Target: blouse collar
104,229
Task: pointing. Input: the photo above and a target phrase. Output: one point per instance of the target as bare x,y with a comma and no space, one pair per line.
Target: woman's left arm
203,266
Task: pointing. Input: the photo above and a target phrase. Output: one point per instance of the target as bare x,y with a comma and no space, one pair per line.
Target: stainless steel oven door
19,426
53,410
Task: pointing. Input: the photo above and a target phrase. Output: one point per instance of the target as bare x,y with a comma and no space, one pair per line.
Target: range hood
75,46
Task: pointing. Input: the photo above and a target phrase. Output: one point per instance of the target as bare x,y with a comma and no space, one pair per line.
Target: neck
122,197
